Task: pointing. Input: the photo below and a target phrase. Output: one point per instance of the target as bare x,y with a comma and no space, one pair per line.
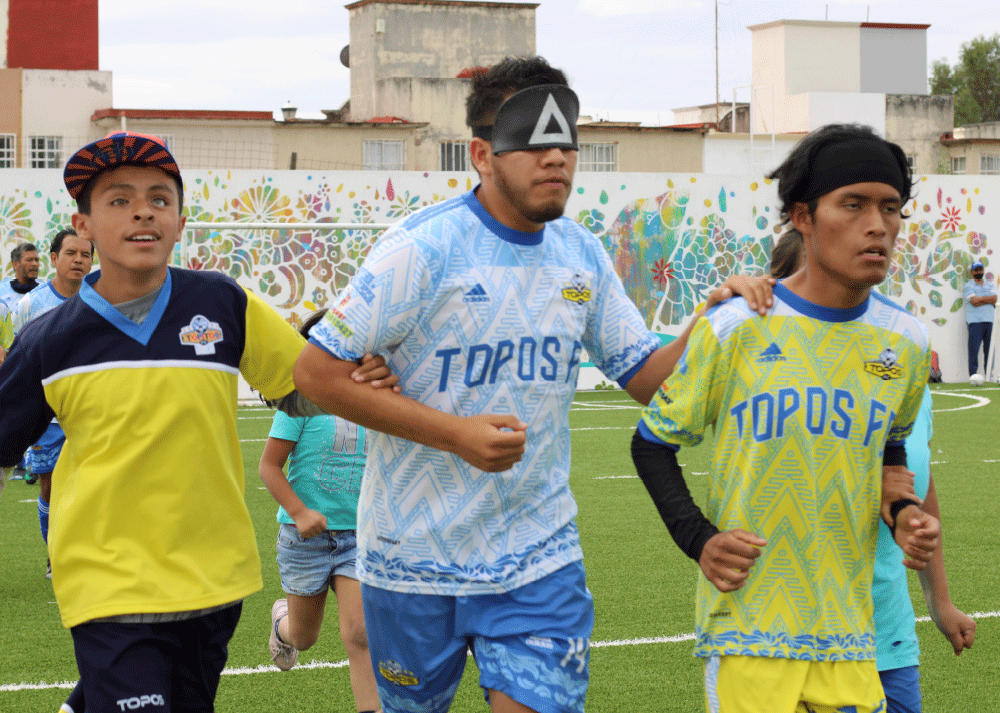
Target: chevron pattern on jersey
802,407
477,318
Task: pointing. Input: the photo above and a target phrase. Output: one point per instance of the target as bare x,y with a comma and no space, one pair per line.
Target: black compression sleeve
661,474
894,455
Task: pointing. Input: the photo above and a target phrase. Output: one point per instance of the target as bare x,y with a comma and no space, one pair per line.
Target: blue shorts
307,567
902,689
171,666
45,453
531,643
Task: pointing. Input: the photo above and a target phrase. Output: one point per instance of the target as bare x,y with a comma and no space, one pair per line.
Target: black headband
540,117
857,160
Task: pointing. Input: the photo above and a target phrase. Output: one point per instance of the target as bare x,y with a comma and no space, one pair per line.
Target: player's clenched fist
727,558
491,442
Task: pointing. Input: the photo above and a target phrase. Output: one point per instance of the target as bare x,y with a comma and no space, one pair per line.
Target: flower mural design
951,218
671,238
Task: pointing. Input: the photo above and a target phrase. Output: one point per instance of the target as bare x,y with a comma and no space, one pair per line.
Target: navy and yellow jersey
803,402
148,511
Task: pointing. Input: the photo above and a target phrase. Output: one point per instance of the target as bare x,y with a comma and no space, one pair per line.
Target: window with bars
455,156
45,152
597,157
958,164
989,164
385,155
8,150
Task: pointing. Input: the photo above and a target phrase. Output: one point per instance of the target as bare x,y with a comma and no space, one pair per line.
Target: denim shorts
307,567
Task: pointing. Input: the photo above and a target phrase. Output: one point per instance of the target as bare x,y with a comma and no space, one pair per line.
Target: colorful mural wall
672,237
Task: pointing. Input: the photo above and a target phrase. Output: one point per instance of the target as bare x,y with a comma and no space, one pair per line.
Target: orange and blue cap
118,148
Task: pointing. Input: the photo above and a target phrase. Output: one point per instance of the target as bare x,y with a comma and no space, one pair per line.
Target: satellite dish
345,56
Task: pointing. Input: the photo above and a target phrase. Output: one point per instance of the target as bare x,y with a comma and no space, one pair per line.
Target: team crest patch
885,367
577,290
394,672
202,334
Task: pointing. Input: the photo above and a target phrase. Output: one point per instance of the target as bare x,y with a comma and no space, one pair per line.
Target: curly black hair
491,86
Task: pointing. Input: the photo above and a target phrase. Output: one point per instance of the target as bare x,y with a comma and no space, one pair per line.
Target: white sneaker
284,655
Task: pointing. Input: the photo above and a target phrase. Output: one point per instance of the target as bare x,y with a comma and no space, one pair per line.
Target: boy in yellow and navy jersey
807,404
151,542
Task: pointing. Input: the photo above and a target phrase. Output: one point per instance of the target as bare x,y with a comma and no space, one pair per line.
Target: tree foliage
974,81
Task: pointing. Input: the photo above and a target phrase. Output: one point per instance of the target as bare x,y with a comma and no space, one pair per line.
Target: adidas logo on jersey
476,294
772,353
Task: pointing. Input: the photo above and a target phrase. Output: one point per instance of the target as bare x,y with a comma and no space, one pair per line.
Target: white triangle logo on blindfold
550,113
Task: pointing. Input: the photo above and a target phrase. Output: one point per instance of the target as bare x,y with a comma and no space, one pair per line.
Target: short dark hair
57,241
311,321
786,255
490,87
83,200
794,173
20,249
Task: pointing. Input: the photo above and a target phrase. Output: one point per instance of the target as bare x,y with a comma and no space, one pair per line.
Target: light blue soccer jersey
36,303
896,642
477,318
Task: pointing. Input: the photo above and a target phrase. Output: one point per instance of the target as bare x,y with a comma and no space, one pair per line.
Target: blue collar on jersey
496,227
141,333
56,292
826,314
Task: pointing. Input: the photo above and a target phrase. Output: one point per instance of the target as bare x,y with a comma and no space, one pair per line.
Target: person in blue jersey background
72,258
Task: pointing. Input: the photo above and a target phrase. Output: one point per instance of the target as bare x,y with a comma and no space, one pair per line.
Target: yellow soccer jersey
803,402
6,327
148,510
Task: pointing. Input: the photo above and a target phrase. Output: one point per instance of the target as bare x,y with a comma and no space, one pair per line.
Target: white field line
267,668
980,401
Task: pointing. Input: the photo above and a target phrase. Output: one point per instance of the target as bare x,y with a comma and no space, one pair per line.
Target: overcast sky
627,59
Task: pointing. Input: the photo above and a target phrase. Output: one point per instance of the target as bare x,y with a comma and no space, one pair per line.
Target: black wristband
894,509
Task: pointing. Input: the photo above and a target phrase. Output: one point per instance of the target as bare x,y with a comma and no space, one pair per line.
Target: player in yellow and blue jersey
151,542
808,403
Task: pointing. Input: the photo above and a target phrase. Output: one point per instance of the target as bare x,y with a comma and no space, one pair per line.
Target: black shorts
156,668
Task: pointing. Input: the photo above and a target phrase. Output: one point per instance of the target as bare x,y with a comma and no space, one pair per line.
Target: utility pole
717,69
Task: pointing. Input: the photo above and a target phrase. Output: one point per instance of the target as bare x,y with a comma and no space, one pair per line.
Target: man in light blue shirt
25,263
72,258
980,298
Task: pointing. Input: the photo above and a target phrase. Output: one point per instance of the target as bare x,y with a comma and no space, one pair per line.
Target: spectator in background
72,258
24,260
980,298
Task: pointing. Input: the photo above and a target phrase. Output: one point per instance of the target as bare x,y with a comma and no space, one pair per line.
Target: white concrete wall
731,154
60,103
822,57
403,40
768,53
838,108
4,27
